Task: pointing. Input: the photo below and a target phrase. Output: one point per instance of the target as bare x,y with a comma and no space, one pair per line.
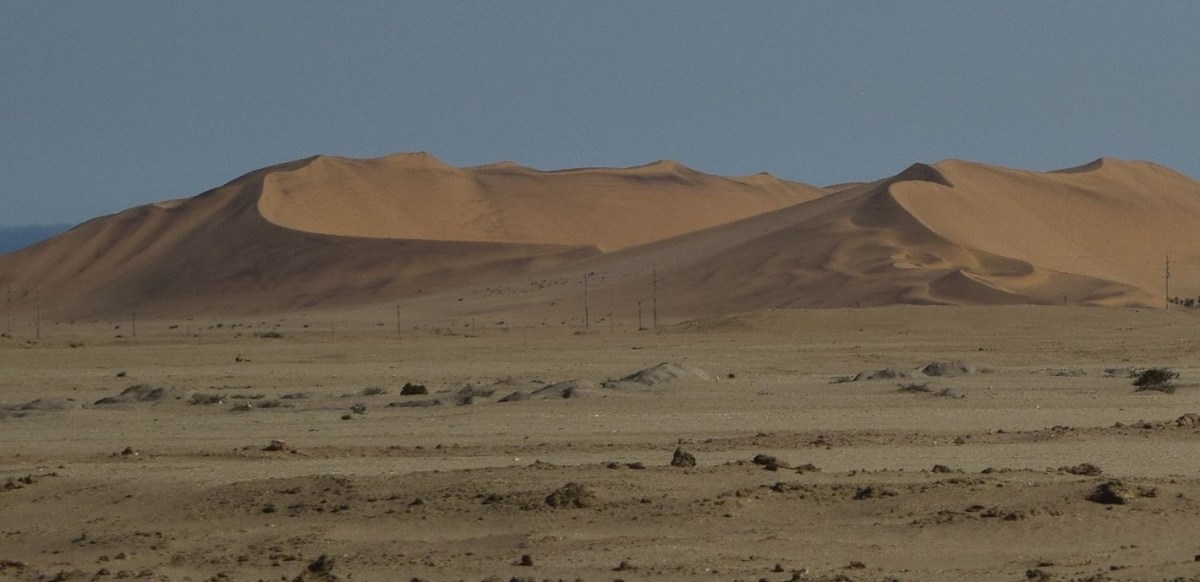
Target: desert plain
979,470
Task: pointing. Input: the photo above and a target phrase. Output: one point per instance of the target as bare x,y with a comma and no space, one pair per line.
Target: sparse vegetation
268,334
913,387
1157,379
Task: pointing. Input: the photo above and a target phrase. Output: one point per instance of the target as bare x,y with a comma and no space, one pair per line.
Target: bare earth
167,489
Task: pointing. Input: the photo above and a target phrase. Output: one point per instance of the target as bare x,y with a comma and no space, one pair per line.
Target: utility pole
587,318
38,325
1167,283
133,325
397,320
640,328
654,306
8,311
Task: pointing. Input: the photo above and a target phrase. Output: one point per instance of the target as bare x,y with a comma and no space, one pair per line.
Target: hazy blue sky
106,105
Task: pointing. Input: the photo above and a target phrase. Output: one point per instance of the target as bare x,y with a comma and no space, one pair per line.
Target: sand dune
952,233
329,232
416,196
334,233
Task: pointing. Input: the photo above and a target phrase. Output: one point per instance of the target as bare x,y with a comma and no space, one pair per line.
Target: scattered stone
884,374
1084,469
636,465
956,368
146,393
517,396
526,560
566,389
1039,575
874,492
468,394
682,458
1190,419
769,462
624,566
277,446
1112,492
941,469
915,388
411,389
571,495
320,570
807,468
416,403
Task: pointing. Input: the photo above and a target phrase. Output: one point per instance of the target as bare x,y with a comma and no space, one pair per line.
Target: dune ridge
416,196
335,233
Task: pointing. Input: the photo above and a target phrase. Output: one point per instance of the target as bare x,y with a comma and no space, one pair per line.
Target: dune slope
416,196
330,232
952,233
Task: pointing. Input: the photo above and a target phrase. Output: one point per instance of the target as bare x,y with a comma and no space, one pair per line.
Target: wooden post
1167,283
640,328
397,320
587,318
133,324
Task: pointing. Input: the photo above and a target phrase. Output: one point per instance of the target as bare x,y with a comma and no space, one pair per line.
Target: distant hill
13,238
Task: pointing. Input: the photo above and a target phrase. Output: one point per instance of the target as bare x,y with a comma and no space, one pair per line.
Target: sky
108,105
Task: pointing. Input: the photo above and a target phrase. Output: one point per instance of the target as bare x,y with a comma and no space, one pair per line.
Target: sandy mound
567,389
38,405
661,374
932,369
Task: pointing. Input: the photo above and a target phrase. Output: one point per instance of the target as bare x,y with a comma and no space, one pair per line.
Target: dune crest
417,197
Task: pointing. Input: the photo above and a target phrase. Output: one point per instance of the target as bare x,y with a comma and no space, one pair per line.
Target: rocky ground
887,444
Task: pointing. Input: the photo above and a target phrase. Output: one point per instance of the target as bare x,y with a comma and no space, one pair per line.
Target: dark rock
1112,492
682,458
571,495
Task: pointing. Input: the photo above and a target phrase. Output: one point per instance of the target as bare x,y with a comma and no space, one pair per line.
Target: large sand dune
952,233
416,196
331,232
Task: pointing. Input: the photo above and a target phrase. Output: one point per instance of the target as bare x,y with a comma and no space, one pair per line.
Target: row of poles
587,315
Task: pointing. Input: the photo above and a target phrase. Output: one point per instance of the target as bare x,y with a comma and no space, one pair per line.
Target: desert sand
395,369
334,233
156,456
